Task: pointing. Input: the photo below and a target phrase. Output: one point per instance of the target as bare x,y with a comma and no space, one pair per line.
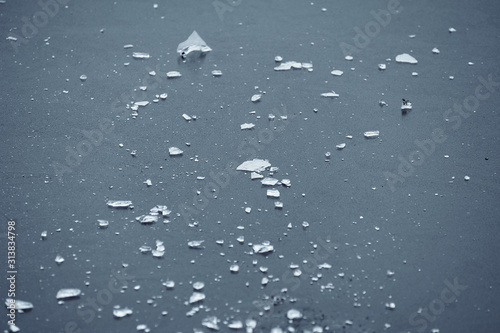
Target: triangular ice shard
192,44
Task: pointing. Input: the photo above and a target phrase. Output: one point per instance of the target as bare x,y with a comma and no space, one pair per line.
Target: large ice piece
193,44
406,58
255,165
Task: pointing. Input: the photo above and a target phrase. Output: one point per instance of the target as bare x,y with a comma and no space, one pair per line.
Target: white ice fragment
337,72
103,223
164,96
293,314
140,55
414,73
466,178
452,30
83,77
12,38
371,134
285,66
173,74
68,293
18,304
235,325
348,58
340,146
148,182
216,72
406,106
255,175
59,259
273,193
325,266
248,210
121,312
247,126
255,165
198,285
194,43
234,268
174,151
141,103
406,58
278,58
147,219
196,244
278,205
196,297
119,203
44,234
211,322
331,94
262,248
286,182
435,50
390,306
145,249
382,66
256,97
169,284
128,46
269,181
186,117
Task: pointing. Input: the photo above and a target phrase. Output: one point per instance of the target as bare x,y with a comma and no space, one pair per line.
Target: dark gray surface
431,231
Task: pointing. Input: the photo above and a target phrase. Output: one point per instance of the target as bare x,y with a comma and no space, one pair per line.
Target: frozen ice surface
174,151
263,248
273,193
121,312
256,97
173,74
255,165
18,304
68,293
194,43
337,72
406,58
371,134
331,94
140,55
119,203
247,126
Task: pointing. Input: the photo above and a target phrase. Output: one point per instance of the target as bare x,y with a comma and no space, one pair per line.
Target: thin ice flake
194,43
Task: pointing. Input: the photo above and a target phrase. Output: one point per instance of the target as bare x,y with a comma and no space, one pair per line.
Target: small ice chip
173,74
211,322
278,205
278,58
164,96
59,259
348,58
140,55
435,50
121,312
103,223
273,193
187,117
83,77
371,134
119,203
263,248
196,297
331,94
255,165
452,30
466,178
234,268
293,314
255,175
269,181
340,146
128,46
141,103
216,72
247,126
194,43
248,210
68,293
147,219
337,72
382,66
18,304
174,151
256,97
406,58
196,244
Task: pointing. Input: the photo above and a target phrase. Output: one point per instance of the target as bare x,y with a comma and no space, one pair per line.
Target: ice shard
193,44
